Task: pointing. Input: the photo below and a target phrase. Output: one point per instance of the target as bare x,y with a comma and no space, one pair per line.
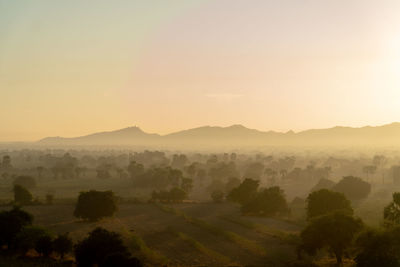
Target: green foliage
244,192
391,213
62,245
95,248
378,248
353,188
22,196
11,224
334,231
94,205
325,201
269,202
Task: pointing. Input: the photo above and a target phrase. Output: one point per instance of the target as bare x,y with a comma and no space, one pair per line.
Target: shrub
98,246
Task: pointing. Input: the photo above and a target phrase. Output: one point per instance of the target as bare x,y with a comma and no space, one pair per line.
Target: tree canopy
325,201
334,231
95,248
353,188
94,205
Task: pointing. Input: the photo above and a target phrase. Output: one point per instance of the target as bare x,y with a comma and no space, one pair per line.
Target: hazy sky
75,67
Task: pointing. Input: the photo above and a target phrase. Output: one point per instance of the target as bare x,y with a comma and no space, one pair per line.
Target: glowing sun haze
71,68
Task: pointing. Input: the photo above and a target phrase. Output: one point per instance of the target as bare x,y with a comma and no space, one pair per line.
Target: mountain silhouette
237,136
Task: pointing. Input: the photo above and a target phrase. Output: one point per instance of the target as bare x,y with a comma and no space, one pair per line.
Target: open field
185,234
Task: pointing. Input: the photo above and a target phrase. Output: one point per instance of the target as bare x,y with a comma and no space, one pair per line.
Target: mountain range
237,136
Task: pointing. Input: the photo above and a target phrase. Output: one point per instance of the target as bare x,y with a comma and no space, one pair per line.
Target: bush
325,201
94,205
98,246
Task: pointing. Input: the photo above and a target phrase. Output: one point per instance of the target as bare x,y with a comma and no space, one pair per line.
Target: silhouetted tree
325,201
270,201
95,248
11,223
391,213
244,192
94,205
378,248
353,188
334,231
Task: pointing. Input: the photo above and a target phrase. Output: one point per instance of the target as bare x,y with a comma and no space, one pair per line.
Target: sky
70,68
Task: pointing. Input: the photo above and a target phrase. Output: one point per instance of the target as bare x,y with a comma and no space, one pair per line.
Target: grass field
185,234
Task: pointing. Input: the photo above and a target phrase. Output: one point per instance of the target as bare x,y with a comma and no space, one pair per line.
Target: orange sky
72,68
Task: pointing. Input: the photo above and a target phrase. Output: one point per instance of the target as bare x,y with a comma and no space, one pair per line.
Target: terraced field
186,234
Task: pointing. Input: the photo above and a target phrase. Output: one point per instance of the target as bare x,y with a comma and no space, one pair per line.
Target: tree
244,191
378,248
353,188
391,213
22,196
11,223
334,231
25,181
325,201
323,184
217,196
62,245
269,202
95,248
94,205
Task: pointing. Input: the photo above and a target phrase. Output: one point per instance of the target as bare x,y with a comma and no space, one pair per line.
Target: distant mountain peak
238,135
